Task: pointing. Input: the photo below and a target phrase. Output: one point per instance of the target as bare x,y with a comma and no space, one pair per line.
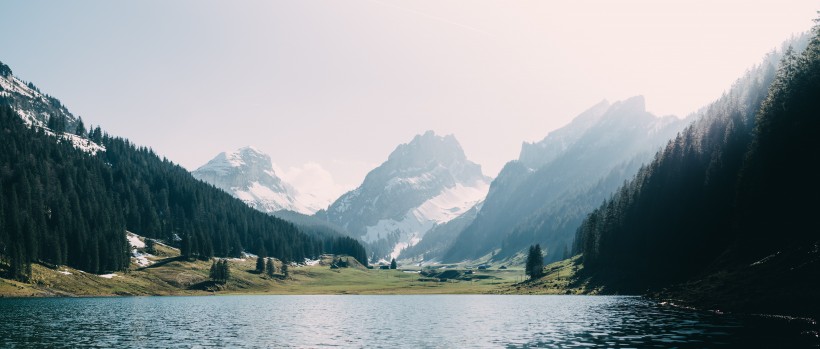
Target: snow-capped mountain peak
247,173
246,158
423,183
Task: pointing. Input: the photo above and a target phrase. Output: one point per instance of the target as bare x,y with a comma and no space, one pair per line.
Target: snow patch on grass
134,240
141,258
108,276
311,262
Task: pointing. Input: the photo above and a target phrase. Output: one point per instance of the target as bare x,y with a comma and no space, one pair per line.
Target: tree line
61,206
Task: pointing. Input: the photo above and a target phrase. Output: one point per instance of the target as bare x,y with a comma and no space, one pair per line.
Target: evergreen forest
63,206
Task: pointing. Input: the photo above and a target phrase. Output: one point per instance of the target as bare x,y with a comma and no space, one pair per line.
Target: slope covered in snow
424,183
248,175
37,108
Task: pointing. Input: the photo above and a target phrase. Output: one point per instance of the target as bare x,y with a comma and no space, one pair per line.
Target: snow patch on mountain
442,208
36,108
268,200
82,143
452,202
12,84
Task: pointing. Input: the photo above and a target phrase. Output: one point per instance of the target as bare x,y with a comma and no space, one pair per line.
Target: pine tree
285,271
57,123
213,274
150,246
80,130
226,271
393,264
96,135
220,271
535,262
185,246
260,264
270,269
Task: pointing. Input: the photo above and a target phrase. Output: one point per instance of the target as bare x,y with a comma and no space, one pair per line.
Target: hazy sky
329,88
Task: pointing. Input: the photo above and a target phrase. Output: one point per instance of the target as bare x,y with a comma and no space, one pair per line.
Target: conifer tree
285,271
535,262
150,246
185,246
96,135
270,268
213,273
80,130
260,264
393,264
225,271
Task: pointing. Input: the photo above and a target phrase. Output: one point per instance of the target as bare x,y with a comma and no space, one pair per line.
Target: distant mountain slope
537,154
41,110
544,195
34,107
423,183
728,207
248,175
438,240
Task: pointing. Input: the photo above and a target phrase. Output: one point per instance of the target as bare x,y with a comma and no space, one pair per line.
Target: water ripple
441,321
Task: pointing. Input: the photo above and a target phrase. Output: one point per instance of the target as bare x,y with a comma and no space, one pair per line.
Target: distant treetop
4,70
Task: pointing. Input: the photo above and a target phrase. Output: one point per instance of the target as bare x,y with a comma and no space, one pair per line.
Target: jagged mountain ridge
526,202
536,154
423,183
247,174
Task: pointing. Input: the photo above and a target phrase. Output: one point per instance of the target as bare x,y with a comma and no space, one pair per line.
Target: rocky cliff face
423,183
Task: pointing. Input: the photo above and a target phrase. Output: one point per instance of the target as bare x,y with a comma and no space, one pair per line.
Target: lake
406,321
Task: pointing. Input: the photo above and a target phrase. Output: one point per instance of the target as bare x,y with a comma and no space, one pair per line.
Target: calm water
462,321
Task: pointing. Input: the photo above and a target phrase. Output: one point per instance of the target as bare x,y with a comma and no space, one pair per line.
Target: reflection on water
445,321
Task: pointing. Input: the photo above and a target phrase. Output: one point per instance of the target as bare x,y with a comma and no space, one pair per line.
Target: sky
329,88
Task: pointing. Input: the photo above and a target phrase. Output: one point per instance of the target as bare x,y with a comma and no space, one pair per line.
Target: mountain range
541,197
428,182
717,207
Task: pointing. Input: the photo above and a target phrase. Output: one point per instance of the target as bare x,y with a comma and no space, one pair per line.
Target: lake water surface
424,321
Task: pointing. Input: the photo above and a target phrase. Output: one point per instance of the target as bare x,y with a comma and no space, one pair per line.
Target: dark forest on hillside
732,193
61,205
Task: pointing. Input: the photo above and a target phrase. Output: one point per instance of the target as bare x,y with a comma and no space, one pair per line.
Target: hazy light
339,84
